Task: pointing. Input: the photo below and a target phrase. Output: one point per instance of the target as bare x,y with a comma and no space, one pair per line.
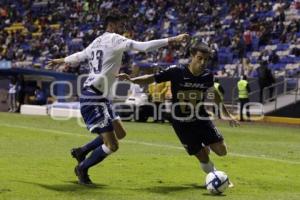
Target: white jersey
104,55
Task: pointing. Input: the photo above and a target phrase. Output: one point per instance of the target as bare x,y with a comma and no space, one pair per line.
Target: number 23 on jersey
95,61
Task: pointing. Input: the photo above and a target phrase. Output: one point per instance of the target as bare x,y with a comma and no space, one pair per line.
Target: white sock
106,149
208,167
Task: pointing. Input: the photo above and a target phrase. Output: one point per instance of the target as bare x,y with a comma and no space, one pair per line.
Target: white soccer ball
216,182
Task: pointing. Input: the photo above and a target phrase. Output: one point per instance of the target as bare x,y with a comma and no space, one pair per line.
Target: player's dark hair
201,47
114,16
244,77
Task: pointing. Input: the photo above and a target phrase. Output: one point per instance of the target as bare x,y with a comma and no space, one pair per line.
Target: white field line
145,143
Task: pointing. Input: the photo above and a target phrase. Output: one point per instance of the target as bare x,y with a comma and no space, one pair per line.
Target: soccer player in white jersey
104,55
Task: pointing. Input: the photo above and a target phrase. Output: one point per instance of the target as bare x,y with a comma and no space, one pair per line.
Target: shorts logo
106,116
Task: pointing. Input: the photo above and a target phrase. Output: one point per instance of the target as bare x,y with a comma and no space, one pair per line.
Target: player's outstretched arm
55,62
71,59
156,44
145,79
232,121
179,39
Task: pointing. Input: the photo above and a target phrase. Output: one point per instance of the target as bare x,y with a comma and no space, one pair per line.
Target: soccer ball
216,182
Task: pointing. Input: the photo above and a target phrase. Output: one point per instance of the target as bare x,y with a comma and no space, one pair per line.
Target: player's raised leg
119,128
206,164
219,148
80,153
109,146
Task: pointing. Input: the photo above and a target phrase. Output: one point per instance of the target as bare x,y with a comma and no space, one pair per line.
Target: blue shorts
96,111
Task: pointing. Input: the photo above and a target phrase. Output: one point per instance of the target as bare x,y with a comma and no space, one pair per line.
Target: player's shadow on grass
69,186
171,189
164,189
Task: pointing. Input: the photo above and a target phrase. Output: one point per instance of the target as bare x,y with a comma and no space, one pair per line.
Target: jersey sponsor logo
193,85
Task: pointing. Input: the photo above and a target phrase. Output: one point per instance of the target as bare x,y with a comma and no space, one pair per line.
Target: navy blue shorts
96,111
195,135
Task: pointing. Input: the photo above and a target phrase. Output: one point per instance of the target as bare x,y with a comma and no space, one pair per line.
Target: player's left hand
182,37
233,122
54,62
123,77
179,38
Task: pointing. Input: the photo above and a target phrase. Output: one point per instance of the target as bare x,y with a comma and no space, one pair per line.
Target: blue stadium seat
255,42
282,47
225,58
287,59
275,41
278,66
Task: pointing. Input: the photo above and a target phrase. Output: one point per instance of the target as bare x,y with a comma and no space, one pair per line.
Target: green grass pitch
35,162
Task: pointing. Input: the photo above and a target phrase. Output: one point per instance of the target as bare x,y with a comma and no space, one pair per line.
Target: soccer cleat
230,184
83,177
78,154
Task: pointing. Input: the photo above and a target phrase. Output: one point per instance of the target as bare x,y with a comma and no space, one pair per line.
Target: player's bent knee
222,151
219,148
111,141
119,129
113,147
120,134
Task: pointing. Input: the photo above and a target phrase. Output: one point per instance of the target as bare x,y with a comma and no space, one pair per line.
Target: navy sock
96,157
98,141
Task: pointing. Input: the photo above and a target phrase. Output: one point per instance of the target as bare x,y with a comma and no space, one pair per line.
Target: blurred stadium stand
242,34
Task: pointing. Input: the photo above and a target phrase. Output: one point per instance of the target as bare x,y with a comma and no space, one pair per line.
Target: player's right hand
123,77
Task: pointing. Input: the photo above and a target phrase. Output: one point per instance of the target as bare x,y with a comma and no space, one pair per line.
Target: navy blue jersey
186,88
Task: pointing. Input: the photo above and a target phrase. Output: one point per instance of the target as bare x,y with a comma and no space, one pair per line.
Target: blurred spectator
39,97
221,92
244,90
238,47
273,58
248,39
226,40
21,91
248,67
168,56
168,95
12,95
264,36
265,79
295,51
135,90
264,56
157,94
297,4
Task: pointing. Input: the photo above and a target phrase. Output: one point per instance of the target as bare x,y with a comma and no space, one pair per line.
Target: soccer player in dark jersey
190,120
